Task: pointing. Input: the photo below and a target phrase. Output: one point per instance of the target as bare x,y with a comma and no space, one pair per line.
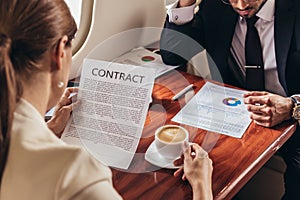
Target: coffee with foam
169,140
172,134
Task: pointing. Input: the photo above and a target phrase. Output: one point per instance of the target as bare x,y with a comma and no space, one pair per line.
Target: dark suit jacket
213,27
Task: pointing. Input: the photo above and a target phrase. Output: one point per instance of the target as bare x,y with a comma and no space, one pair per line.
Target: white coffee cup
169,140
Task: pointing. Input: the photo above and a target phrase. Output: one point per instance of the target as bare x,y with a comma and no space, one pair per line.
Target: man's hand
268,109
185,3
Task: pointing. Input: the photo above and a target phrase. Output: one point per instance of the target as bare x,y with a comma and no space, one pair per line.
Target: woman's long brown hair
28,28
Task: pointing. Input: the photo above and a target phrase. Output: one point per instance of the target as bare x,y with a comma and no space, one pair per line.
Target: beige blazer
41,166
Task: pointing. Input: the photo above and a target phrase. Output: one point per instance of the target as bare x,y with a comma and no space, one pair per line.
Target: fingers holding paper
268,109
63,111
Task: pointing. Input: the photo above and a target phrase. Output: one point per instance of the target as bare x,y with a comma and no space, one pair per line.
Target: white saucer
153,157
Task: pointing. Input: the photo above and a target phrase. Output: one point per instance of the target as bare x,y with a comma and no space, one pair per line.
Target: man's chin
246,14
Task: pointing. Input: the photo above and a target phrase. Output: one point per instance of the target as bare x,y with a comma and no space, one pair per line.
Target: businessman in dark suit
221,27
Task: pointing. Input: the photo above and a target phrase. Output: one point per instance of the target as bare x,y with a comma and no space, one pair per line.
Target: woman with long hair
35,58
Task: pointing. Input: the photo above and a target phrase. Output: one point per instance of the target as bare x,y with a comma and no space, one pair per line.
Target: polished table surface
235,161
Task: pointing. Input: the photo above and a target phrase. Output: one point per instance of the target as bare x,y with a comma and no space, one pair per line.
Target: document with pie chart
145,58
218,109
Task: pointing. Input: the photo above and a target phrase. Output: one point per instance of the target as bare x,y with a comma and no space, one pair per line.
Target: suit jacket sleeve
179,43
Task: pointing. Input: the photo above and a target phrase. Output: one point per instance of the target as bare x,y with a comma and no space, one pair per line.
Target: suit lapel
226,30
283,31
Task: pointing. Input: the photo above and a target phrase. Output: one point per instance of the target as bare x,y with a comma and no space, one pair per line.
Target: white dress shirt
182,15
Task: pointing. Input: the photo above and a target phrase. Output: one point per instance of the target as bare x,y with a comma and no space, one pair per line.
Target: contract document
114,100
218,109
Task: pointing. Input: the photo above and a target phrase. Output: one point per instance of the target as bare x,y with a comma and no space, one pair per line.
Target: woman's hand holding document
217,109
114,103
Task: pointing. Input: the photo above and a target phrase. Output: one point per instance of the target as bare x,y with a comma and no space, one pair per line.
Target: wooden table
235,161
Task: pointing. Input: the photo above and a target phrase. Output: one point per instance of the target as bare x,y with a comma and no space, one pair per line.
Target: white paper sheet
143,57
218,109
114,103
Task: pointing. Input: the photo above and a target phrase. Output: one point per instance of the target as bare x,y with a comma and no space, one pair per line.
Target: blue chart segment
231,101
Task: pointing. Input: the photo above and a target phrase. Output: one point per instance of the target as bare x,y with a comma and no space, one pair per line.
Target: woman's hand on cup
197,166
63,111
